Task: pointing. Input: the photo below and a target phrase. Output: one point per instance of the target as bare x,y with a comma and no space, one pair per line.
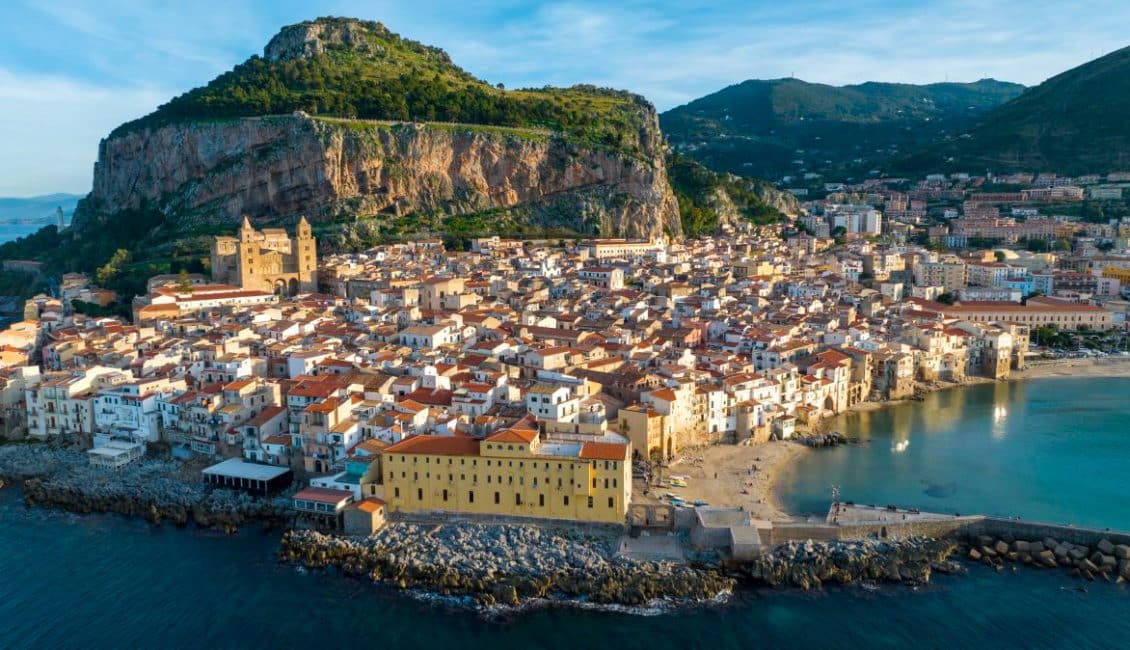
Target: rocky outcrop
784,202
152,489
504,564
286,165
812,564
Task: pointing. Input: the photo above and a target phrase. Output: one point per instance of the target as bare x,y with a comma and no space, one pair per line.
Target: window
615,483
445,496
396,492
541,500
497,498
420,494
590,502
471,496
566,499
518,499
611,502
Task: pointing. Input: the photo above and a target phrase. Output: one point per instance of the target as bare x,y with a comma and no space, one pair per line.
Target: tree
184,284
999,255
947,298
113,268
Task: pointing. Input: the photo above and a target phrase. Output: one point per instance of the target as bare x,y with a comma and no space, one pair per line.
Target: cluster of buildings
519,379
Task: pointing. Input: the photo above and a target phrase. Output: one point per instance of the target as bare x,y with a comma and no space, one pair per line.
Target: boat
678,482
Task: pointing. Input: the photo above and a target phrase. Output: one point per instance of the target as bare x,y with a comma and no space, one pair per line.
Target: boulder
1001,547
1047,558
1122,552
1020,546
1106,547
1035,548
974,554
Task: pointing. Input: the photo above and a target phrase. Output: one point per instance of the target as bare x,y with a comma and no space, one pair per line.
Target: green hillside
701,191
363,70
785,126
1075,122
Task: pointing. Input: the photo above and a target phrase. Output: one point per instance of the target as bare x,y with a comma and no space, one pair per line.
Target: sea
1050,449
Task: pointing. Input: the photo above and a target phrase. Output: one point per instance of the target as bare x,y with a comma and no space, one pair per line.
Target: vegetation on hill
383,76
705,196
788,126
1073,123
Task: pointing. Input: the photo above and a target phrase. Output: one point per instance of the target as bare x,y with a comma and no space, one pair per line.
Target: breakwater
808,564
505,564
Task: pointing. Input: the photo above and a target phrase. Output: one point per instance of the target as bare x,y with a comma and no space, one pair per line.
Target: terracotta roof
439,445
514,435
604,451
323,495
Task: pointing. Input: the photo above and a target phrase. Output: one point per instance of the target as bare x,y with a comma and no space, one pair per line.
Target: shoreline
1088,368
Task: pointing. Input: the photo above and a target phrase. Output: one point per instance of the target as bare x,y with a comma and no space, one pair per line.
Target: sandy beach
1103,367
738,475
731,475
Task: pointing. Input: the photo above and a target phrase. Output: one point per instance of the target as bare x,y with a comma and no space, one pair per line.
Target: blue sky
72,70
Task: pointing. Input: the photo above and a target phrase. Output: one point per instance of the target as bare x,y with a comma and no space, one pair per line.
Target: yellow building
269,260
512,473
645,428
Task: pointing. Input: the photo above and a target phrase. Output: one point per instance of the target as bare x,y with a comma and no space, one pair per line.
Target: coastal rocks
811,564
155,490
830,439
503,564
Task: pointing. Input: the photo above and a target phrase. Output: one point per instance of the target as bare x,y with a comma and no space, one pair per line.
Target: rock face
286,165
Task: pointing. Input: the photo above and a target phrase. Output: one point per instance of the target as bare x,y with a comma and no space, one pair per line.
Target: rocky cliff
280,166
269,140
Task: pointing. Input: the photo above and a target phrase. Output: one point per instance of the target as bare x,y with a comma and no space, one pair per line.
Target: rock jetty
812,564
1104,560
505,564
153,489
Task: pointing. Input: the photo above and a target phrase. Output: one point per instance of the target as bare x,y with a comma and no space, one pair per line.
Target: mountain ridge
763,127
1072,123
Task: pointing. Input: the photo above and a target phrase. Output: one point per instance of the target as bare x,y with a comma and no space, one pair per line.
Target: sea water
102,581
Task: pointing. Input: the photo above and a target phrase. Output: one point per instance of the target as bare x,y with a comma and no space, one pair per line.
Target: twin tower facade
267,260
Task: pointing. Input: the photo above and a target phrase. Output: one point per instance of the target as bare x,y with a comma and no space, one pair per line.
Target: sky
72,70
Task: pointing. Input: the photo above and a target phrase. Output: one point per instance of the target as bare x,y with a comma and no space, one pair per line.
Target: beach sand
718,475
1103,367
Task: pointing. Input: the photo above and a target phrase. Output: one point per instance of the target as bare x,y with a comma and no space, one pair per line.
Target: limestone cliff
286,165
278,135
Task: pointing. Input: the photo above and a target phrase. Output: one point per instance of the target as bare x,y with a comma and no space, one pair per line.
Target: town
556,380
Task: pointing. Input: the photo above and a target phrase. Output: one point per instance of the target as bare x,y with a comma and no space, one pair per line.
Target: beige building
511,473
267,260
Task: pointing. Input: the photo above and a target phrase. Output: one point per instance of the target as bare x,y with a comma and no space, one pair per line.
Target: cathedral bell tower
305,248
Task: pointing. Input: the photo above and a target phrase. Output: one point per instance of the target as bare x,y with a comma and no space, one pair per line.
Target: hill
1073,123
709,200
779,127
374,138
33,209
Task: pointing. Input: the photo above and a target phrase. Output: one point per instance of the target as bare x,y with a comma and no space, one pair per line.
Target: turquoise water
101,581
1055,450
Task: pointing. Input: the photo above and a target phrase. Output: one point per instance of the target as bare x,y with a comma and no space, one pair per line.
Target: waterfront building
514,472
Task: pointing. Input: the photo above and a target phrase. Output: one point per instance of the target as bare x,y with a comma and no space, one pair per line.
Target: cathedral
267,260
